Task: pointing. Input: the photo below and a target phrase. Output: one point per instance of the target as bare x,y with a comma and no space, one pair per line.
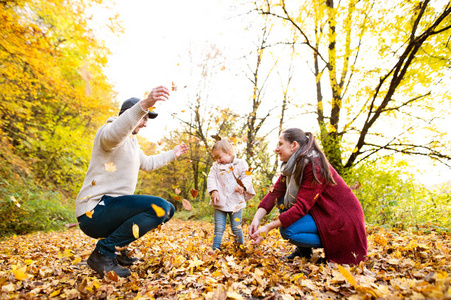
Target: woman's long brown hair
307,143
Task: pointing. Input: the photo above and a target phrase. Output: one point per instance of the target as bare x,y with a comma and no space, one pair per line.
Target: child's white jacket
221,179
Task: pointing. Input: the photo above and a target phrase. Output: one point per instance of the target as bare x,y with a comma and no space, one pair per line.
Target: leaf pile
177,263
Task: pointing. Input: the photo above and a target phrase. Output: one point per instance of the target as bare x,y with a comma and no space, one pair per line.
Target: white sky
157,36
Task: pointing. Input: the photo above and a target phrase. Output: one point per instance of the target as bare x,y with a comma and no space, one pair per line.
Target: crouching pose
106,207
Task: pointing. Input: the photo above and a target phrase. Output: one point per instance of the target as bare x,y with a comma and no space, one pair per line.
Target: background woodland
381,71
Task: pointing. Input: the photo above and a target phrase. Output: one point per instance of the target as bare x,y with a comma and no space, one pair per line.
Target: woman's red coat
336,210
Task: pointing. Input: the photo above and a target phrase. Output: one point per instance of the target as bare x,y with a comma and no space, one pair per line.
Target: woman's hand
253,227
260,234
259,214
180,149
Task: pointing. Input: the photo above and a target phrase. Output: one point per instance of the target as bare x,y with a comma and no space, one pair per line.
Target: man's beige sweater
116,148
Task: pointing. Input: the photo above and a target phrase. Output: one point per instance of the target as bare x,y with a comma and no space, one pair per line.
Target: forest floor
177,263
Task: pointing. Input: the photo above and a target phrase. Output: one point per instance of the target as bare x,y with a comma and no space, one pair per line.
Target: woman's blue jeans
302,233
220,225
113,219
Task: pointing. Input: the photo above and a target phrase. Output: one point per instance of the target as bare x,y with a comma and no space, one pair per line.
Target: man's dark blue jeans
113,219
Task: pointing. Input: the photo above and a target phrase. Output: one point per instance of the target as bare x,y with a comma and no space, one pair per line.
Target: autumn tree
53,93
380,70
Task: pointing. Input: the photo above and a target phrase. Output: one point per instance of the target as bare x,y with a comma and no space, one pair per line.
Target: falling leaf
151,109
19,273
71,225
177,198
158,210
13,199
135,229
316,197
194,193
193,139
93,182
110,167
186,204
173,87
237,220
248,172
271,189
90,213
331,128
231,168
177,191
356,186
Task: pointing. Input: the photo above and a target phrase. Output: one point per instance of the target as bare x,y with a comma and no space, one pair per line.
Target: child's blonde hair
224,146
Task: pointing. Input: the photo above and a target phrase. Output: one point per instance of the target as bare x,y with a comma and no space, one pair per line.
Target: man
106,207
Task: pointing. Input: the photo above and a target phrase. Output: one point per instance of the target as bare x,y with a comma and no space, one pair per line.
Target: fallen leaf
19,273
346,274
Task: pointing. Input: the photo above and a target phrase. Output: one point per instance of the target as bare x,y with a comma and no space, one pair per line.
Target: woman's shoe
103,264
299,251
125,260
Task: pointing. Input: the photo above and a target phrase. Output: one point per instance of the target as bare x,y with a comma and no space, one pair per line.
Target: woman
318,209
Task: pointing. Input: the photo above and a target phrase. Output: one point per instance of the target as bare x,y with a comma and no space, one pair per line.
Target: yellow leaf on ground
346,274
20,273
76,261
55,293
158,210
135,229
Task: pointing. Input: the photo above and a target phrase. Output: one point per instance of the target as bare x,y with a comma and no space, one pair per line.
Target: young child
229,188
